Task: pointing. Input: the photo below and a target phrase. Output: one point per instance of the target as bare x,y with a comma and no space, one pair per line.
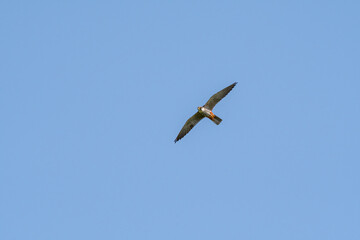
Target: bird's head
199,108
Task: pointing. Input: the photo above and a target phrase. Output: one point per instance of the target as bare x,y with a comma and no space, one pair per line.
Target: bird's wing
190,123
218,96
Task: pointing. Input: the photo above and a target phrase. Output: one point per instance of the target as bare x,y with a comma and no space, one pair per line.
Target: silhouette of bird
205,111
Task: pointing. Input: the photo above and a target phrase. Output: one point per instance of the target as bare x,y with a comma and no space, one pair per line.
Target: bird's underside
205,111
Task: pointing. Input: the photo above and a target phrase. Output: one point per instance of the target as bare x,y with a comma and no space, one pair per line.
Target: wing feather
190,123
210,104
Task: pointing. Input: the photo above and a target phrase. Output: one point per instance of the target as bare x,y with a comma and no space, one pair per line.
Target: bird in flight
205,111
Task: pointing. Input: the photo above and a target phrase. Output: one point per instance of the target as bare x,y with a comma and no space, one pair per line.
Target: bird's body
209,114
205,111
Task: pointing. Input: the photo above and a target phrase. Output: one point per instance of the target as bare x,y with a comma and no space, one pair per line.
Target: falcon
205,111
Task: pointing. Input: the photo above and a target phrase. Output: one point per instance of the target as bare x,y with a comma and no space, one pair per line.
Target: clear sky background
93,94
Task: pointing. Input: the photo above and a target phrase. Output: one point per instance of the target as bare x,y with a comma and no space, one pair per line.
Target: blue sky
93,93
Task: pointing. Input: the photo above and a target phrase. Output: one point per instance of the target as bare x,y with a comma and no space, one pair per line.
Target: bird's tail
216,120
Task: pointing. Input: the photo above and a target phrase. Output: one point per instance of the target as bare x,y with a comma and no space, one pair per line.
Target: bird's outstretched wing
218,96
190,123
